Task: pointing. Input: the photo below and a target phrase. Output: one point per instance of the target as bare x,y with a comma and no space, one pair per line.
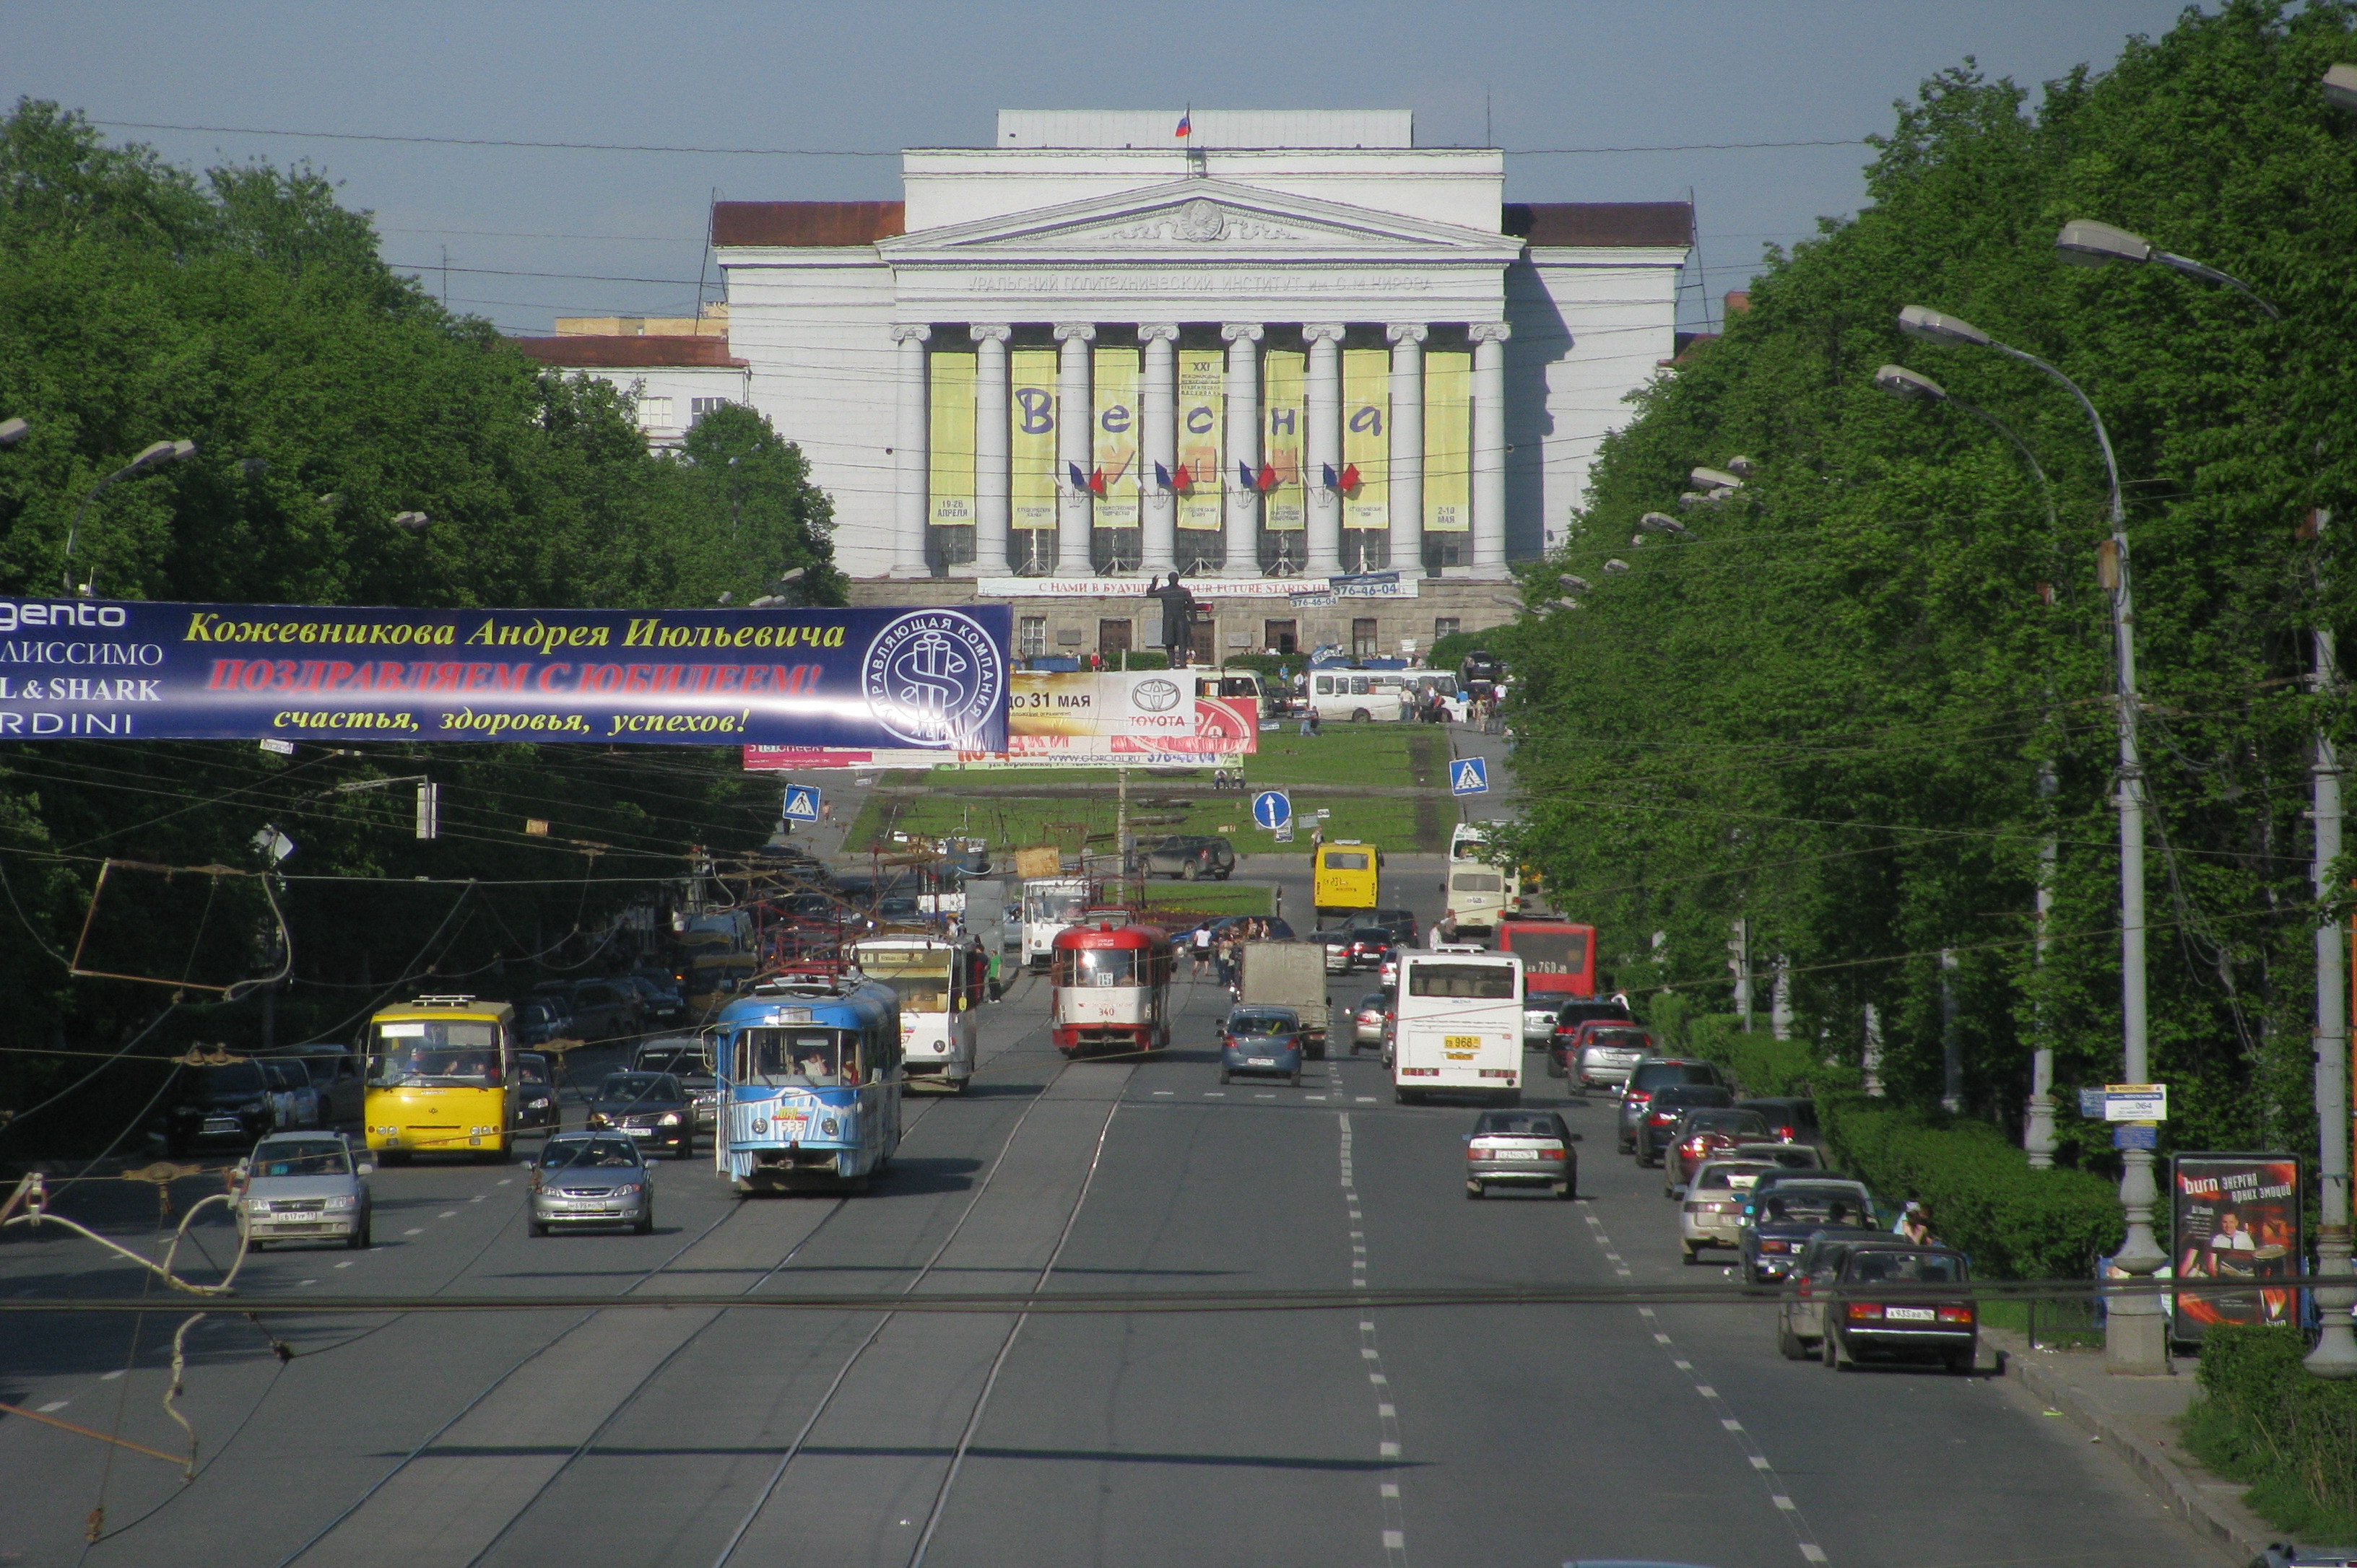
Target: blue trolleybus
810,1083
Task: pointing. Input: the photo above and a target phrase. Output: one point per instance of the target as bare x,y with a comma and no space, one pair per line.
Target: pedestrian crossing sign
802,804
1469,776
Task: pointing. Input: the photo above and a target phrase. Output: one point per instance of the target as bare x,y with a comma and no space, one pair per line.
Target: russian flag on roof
1187,124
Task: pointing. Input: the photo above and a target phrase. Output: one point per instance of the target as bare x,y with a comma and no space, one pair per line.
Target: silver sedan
591,1180
304,1186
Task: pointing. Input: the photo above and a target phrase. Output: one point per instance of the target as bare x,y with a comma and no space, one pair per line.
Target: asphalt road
699,1437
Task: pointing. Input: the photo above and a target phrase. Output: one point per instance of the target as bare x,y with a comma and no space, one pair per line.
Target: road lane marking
1708,1392
55,1405
1783,1502
447,1214
1661,1339
347,1263
416,1232
1731,1425
109,1376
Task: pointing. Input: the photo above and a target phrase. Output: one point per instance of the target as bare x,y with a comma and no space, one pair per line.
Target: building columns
1075,422
991,476
1407,447
911,442
1242,455
1321,449
1158,444
1488,447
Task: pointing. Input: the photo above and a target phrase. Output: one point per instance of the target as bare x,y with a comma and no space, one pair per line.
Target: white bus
1050,904
1457,1026
1479,894
940,984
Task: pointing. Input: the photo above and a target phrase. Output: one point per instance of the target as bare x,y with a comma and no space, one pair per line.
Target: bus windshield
1100,966
1061,905
1550,953
1470,981
1346,860
463,1053
798,1058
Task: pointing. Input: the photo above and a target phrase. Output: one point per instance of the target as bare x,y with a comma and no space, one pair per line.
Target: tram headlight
827,1128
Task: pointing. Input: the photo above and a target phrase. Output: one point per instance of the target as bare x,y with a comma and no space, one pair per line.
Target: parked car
542,1018
606,1009
1401,923
1894,1301
1646,1077
591,1179
1670,1103
688,1058
1800,1315
335,1078
1790,1119
1190,857
1521,1148
235,1102
654,1108
304,1186
1265,1040
1703,1134
537,1108
1367,1020
1711,1212
1787,1213
1599,1053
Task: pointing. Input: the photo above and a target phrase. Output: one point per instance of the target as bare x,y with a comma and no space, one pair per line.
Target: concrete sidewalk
2136,1418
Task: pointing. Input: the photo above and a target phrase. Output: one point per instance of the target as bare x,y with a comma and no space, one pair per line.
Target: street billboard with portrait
2237,1218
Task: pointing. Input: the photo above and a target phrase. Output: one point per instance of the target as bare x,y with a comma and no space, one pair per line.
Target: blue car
1261,1040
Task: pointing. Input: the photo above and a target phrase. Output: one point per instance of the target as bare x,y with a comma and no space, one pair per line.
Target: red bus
1109,987
1558,957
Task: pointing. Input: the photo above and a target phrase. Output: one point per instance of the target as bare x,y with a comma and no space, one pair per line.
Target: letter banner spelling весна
931,679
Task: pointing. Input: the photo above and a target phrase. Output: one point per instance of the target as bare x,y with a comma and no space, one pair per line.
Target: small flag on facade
1326,472
1162,479
1080,481
1244,475
1267,480
1350,485
1187,124
1184,480
1096,482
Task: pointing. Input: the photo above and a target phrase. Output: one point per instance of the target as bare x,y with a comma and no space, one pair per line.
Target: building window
1112,639
1443,626
1362,637
1031,636
1280,636
697,407
654,413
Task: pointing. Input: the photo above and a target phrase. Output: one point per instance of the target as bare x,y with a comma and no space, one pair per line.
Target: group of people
1224,951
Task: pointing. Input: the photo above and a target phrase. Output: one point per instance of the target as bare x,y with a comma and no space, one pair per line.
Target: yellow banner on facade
1367,438
1203,413
1447,442
1114,443
952,456
1031,438
1284,380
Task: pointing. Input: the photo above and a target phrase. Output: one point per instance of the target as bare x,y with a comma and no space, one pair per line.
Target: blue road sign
1272,808
802,804
2136,1135
1469,776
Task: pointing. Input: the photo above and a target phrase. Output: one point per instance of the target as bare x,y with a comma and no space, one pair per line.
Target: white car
1712,1213
304,1186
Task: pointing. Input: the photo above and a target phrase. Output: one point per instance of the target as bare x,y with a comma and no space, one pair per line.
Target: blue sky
872,78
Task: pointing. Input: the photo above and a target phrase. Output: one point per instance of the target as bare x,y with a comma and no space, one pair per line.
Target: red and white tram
1110,986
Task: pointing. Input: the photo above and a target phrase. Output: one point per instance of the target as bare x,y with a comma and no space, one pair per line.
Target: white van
1358,695
1479,893
1050,904
1457,1026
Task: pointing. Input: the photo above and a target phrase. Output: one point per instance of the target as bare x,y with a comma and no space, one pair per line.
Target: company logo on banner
929,679
1083,719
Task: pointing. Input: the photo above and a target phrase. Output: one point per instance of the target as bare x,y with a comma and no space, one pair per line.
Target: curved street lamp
14,430
2086,242
1914,386
2135,1335
154,456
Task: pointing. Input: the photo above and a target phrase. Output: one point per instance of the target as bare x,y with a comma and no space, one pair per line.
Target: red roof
806,222
627,352
1601,224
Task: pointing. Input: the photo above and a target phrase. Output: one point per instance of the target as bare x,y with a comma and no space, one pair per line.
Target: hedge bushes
2264,1419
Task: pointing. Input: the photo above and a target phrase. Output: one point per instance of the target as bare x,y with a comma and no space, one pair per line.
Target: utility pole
1741,964
2335,1354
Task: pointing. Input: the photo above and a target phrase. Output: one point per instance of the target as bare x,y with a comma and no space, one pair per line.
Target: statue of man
1177,613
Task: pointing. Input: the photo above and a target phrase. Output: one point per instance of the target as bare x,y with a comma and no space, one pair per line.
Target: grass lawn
1211,897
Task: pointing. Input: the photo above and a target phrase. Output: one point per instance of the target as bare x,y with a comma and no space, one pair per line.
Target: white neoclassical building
1335,378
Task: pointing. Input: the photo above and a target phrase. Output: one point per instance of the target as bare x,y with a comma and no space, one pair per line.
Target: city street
1508,1435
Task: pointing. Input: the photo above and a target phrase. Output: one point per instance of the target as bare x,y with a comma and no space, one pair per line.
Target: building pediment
1199,221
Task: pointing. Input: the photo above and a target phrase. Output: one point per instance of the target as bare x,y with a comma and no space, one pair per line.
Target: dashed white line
1394,1533
347,1263
447,1214
55,1405
109,1376
418,1231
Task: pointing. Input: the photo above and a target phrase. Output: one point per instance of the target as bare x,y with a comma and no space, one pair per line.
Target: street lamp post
2088,243
2038,1135
2135,1335
155,455
13,430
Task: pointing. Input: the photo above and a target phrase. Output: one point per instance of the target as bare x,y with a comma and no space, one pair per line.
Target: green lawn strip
1344,755
1015,821
1211,897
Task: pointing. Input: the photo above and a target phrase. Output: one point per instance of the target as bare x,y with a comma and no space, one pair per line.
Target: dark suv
1191,858
1644,1078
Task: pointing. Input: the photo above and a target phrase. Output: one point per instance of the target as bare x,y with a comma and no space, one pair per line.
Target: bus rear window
1472,982
1550,953
1346,860
1477,882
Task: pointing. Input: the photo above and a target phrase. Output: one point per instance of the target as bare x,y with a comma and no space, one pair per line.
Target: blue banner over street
870,678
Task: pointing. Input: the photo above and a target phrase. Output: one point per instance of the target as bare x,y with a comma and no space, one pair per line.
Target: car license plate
1460,1042
1911,1314
220,1124
1514,1153
1261,1061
